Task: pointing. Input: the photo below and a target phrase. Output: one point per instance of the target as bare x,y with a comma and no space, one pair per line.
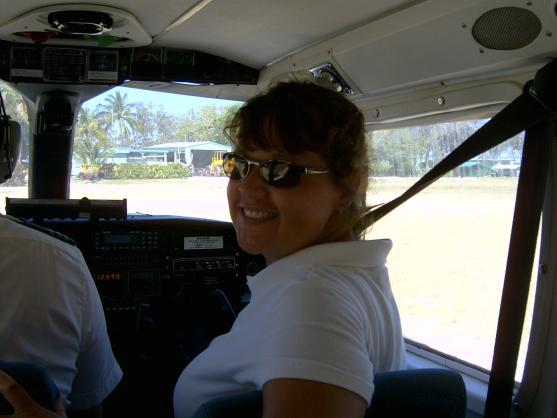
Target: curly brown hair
299,116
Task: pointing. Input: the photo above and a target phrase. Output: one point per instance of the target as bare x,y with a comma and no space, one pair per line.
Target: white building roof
203,145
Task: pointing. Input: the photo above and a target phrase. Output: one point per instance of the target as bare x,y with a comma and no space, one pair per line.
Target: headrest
10,146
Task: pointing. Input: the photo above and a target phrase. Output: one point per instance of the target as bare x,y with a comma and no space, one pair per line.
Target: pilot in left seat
50,310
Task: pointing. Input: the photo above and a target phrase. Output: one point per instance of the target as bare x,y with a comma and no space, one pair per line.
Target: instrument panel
89,65
145,260
55,64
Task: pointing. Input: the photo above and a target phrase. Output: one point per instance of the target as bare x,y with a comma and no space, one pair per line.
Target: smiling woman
309,361
312,127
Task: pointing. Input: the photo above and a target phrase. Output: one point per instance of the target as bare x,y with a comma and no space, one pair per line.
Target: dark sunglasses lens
235,167
275,173
281,174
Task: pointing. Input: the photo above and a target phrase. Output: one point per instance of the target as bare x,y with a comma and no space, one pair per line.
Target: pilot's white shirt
51,314
325,313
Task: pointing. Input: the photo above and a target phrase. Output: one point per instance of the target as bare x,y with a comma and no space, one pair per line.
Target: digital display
204,243
123,239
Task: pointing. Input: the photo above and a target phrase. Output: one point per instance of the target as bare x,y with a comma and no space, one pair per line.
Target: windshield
160,151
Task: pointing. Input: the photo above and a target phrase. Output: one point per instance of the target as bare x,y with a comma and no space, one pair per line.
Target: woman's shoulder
326,267
355,275
357,253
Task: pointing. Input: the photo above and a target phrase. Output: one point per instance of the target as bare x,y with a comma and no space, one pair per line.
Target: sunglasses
276,173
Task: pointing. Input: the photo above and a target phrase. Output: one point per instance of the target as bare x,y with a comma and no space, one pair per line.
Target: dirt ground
448,260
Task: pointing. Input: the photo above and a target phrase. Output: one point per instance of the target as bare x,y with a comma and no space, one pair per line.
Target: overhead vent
77,24
506,28
81,22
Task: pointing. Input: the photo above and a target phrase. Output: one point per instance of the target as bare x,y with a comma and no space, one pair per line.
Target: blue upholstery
36,381
420,393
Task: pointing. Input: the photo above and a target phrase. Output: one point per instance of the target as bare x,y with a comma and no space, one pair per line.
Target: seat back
419,393
34,379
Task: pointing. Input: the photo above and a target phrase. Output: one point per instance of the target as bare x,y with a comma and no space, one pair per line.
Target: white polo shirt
51,314
325,313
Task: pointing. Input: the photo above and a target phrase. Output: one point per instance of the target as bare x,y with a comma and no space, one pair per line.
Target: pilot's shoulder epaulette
44,230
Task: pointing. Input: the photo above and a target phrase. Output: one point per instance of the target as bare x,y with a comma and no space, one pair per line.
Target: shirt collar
360,253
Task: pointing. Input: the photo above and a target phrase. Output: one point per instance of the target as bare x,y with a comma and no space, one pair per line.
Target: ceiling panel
256,32
253,32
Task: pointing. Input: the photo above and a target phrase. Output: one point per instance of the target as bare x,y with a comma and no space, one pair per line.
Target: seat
35,380
431,393
418,393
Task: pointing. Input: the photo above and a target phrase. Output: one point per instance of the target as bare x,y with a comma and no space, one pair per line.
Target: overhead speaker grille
506,28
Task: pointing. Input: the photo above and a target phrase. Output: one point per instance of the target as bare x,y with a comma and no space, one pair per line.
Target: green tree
395,152
166,127
226,115
118,117
92,146
207,124
154,126
145,133
188,127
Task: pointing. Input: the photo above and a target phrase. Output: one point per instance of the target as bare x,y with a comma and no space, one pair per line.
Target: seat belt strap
520,259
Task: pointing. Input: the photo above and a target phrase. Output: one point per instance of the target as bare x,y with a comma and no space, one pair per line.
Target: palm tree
92,146
118,115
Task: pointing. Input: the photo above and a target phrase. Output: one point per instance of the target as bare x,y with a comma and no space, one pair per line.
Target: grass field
447,263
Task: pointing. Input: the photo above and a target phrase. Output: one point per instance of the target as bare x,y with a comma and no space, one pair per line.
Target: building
197,154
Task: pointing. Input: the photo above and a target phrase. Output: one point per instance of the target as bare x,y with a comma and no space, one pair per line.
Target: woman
322,319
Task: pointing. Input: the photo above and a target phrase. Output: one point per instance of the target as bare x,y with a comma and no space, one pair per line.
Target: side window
17,110
451,240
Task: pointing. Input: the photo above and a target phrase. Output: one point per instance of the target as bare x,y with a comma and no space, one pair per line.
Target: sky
174,104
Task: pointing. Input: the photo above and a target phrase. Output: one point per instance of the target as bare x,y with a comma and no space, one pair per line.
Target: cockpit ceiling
382,48
252,32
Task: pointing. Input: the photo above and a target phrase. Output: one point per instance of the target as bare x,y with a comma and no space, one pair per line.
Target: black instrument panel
63,64
97,65
146,259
